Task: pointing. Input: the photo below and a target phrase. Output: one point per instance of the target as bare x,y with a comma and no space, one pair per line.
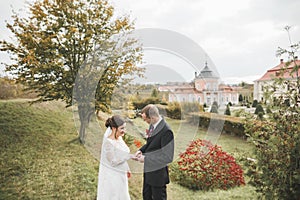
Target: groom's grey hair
151,111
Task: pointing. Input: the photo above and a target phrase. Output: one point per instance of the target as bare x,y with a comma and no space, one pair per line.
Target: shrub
227,111
277,171
241,113
9,89
216,104
260,115
232,125
189,107
174,110
254,104
130,111
140,104
214,109
259,109
206,167
268,109
241,98
128,139
287,102
277,140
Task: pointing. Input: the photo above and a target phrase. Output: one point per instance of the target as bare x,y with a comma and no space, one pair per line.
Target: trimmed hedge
225,124
140,104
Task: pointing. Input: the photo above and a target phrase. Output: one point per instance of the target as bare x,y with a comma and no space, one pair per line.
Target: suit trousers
154,192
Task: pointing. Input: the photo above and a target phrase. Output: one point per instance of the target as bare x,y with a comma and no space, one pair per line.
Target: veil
104,140
107,132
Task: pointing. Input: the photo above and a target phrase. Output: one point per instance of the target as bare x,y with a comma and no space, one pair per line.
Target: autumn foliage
206,167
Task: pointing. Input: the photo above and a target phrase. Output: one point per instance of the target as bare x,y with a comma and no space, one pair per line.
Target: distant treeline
9,89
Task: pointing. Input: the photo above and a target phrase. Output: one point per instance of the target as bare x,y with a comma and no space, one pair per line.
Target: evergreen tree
227,111
154,93
214,109
259,109
240,98
254,104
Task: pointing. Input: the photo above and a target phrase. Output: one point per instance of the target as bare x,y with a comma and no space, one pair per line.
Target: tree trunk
84,115
82,132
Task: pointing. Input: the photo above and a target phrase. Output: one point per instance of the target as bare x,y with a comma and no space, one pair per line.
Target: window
207,86
208,100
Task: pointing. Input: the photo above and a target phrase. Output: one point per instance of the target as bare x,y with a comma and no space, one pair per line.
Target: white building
265,83
204,89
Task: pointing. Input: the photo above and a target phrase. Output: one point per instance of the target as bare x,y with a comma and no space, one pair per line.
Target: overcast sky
239,36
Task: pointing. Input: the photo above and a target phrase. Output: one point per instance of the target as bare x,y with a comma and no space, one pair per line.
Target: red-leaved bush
205,166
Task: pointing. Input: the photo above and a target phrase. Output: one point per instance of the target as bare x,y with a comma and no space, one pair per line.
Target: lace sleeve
114,156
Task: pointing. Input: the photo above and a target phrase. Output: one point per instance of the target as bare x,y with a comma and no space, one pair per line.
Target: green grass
184,133
41,157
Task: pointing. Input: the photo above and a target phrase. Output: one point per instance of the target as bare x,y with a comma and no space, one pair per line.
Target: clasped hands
138,156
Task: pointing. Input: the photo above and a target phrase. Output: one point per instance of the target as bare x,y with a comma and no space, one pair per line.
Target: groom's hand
137,155
141,158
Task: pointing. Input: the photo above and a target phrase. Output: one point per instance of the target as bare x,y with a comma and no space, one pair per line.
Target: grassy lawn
41,158
184,133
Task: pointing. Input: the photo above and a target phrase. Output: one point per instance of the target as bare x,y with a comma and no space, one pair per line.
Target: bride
114,170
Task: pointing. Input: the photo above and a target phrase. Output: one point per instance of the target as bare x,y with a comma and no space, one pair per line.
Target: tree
292,55
259,109
276,173
241,98
214,109
254,104
227,111
58,38
242,84
215,104
154,93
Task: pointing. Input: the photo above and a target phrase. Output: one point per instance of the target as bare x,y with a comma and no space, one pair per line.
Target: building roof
281,71
174,87
186,91
224,87
206,72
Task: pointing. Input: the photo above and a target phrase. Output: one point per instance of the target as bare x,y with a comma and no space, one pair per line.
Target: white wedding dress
113,168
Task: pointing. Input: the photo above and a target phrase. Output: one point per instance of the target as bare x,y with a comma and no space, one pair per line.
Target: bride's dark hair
114,121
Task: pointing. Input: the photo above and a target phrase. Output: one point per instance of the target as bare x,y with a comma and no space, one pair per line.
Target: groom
156,154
